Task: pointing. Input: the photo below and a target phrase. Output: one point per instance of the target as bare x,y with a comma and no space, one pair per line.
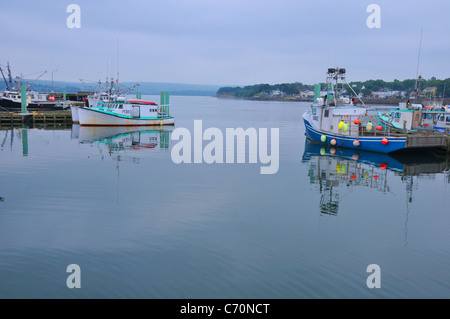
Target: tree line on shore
365,88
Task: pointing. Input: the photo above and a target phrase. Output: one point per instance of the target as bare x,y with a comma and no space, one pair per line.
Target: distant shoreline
369,101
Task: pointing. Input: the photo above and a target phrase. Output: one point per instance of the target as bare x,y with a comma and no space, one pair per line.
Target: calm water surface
139,226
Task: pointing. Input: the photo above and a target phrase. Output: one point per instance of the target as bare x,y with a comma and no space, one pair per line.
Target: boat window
447,119
120,106
429,116
326,113
424,116
314,111
397,115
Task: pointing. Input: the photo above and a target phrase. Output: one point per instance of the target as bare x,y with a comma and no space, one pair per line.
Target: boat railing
366,125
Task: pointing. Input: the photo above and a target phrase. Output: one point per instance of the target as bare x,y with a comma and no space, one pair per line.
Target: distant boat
11,97
334,122
11,101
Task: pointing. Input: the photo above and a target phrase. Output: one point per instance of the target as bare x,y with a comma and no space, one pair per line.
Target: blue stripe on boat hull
372,144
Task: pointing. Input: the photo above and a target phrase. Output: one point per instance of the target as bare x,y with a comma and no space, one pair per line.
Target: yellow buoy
369,127
341,123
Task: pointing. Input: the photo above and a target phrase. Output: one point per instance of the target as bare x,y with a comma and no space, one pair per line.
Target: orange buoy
333,142
356,121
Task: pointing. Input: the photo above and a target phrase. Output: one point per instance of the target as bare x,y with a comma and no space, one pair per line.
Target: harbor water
139,225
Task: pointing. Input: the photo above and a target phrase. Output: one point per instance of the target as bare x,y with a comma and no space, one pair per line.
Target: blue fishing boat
340,122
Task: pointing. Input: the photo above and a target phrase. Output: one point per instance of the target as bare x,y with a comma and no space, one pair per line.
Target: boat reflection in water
332,169
124,138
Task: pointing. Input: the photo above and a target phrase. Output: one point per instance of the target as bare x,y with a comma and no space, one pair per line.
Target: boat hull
369,143
12,106
88,116
74,112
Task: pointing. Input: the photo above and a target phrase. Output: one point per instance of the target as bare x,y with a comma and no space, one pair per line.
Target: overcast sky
225,42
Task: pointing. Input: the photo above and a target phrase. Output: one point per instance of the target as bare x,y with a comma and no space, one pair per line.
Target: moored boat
121,111
333,121
410,120
11,97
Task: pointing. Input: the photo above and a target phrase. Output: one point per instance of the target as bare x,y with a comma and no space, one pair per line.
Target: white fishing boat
122,111
101,93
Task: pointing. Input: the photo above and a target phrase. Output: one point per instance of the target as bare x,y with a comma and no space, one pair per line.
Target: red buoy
384,141
379,127
356,121
383,166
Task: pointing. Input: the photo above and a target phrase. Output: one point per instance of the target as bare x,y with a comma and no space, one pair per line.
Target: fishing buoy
323,138
356,143
379,127
341,124
322,151
369,127
338,168
384,141
356,121
345,128
333,151
353,177
383,166
333,142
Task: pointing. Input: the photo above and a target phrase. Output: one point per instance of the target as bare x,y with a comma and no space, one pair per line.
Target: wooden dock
32,119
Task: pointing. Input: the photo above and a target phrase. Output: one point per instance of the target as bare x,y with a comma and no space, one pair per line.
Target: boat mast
9,75
117,80
418,78
4,79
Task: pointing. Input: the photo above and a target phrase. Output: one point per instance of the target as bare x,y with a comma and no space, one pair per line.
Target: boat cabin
338,120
